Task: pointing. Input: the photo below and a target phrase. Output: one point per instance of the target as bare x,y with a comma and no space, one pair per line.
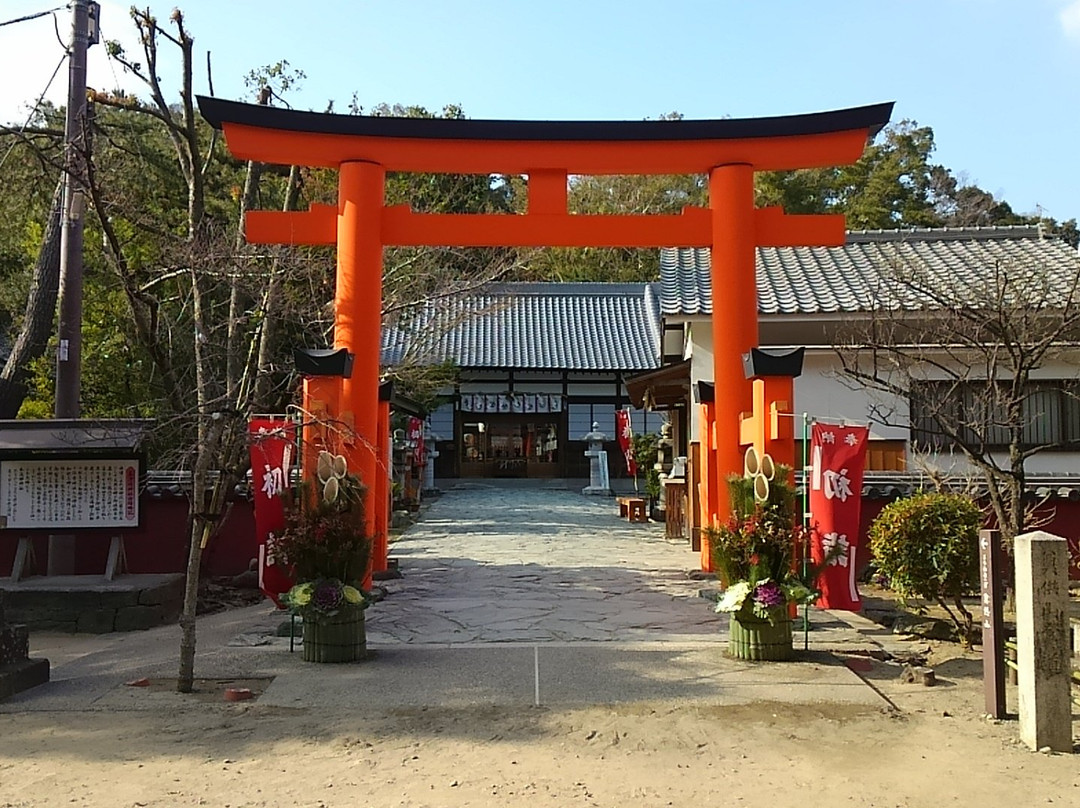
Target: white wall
818,391
823,393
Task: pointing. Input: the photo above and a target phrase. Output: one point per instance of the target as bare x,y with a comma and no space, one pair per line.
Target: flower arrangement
326,597
757,553
323,541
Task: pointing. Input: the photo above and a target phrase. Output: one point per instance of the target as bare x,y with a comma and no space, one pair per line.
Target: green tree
890,186
927,546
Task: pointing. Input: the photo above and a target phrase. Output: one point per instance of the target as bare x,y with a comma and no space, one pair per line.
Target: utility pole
84,32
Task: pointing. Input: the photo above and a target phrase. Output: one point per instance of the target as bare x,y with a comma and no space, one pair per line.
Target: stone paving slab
537,565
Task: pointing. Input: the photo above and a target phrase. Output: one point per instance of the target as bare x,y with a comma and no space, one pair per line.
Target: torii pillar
358,326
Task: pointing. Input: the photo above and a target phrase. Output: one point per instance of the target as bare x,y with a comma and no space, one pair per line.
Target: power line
37,104
29,17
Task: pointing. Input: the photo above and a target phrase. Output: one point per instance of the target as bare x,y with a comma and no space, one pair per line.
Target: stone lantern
599,482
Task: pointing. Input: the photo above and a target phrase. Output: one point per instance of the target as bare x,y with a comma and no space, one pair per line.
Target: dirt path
936,749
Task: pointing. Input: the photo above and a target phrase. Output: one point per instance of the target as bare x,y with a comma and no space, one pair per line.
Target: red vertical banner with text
273,444
837,458
625,438
415,436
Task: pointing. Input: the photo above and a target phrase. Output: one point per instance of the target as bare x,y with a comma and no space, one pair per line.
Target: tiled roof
572,326
865,273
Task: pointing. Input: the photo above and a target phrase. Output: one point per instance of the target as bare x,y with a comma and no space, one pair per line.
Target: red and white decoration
272,445
415,436
625,437
837,457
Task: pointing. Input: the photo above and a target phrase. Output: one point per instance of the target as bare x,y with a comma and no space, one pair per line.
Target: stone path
490,564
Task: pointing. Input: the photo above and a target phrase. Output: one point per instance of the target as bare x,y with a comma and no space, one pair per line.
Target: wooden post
993,624
1042,641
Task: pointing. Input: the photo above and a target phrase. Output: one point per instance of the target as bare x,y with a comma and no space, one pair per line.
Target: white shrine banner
69,493
510,402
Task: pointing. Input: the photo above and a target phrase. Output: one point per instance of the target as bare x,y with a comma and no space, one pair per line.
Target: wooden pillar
993,622
707,491
379,496
358,312
734,313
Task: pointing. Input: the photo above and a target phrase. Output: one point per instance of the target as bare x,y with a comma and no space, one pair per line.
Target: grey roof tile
861,274
574,326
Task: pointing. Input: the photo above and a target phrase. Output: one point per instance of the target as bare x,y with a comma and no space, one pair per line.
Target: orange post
320,407
780,431
734,312
358,311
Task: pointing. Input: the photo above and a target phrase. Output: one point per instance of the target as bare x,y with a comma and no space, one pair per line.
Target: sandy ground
933,747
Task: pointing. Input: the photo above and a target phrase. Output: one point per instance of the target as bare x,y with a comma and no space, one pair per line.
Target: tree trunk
40,315
201,522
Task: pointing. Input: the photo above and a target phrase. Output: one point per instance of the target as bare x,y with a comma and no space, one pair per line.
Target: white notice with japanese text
69,493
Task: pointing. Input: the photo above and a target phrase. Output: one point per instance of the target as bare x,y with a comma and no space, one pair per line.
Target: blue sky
998,80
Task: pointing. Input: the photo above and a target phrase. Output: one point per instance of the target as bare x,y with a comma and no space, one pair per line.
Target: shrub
927,546
644,445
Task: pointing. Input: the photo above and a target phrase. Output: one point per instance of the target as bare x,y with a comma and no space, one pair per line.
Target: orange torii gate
363,149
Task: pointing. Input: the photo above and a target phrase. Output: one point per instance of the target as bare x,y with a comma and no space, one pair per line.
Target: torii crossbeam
363,149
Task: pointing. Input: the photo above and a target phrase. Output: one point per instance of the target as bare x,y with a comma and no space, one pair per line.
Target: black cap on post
760,363
324,362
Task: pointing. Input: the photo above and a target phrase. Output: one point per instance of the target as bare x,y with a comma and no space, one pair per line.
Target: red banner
415,435
837,455
272,445
625,437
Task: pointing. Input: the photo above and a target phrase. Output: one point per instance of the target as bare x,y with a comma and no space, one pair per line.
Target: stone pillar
1042,641
599,481
430,453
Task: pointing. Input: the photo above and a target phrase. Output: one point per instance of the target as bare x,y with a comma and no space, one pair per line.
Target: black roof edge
218,112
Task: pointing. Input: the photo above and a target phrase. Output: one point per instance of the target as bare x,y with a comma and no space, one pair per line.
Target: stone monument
1042,641
17,671
599,482
430,453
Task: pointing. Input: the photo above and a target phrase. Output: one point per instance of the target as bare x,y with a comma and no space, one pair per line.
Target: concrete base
16,677
89,604
591,491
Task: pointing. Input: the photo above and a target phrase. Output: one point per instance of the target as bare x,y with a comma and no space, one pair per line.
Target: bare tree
206,289
971,353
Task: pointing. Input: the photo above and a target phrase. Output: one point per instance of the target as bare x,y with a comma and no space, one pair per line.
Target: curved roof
881,269
462,145
218,112
539,326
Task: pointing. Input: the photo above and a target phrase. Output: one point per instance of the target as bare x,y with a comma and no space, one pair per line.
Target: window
977,412
580,418
642,421
441,421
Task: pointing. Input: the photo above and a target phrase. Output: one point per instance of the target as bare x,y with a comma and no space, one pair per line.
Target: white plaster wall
818,391
824,395
821,393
